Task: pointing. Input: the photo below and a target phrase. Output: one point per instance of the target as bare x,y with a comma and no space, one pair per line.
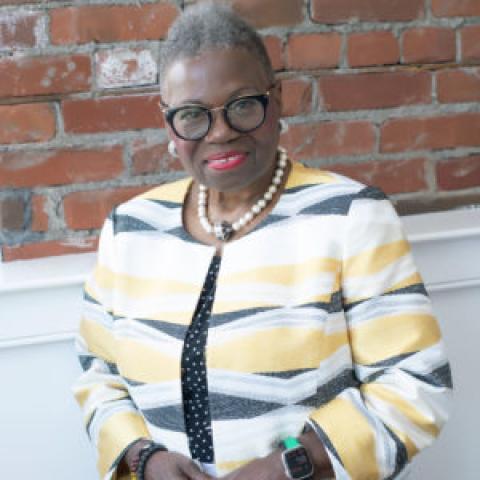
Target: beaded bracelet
145,455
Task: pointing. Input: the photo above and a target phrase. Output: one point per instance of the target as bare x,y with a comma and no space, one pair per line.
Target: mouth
226,160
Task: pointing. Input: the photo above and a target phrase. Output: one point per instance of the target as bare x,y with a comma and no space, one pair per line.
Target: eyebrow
236,93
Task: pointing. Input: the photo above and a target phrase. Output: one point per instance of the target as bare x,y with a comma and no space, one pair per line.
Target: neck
225,204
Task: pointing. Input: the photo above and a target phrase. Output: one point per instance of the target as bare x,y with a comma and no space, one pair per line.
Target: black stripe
286,374
440,377
173,329
401,457
170,418
331,389
417,288
373,193
338,205
127,223
326,441
165,203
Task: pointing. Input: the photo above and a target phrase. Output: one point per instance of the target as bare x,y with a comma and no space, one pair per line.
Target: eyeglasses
242,114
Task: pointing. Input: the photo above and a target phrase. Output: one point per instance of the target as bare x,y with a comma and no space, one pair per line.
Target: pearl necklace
223,231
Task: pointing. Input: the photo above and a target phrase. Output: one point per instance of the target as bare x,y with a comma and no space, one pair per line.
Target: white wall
41,433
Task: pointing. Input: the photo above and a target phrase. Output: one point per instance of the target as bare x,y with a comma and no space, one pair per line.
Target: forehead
213,76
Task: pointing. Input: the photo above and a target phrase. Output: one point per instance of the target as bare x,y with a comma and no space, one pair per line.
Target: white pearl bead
248,216
268,196
272,189
256,209
236,226
279,172
277,181
262,203
242,222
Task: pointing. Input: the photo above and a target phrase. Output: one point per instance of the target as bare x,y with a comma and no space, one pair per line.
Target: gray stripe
170,418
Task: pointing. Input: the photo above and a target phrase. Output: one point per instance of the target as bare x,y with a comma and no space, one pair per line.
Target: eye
190,114
244,106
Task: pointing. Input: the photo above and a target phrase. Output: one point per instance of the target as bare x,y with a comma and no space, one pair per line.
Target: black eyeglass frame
169,113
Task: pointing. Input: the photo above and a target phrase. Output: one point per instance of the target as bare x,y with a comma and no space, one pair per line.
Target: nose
220,131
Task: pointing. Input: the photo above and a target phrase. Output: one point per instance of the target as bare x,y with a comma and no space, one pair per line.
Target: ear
277,95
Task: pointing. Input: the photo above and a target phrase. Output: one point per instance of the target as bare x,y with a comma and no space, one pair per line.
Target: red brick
275,51
459,173
270,13
59,167
12,213
429,45
44,75
153,158
456,8
49,249
296,97
119,23
392,176
110,114
87,210
459,85
313,50
124,67
372,48
21,29
39,214
341,11
374,90
471,43
432,133
328,139
26,123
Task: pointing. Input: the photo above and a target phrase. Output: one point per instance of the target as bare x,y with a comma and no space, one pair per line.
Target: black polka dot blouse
194,373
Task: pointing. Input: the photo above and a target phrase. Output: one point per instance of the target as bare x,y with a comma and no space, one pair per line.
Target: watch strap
290,442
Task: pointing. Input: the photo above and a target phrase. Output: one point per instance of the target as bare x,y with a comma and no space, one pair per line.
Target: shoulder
324,192
170,195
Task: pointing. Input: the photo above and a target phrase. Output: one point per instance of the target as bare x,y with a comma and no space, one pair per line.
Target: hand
173,466
266,468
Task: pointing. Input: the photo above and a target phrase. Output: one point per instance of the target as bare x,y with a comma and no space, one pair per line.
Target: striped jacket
320,316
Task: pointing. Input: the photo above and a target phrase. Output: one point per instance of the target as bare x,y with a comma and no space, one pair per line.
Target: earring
283,125
172,149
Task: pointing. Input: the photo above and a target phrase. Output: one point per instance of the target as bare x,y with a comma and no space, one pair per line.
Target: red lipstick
226,160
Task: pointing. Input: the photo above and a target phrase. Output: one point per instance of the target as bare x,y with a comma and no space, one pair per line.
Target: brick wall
386,91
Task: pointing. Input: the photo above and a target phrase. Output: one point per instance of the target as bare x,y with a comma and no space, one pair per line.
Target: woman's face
225,160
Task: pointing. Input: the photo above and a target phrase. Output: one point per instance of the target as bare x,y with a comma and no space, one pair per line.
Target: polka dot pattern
194,373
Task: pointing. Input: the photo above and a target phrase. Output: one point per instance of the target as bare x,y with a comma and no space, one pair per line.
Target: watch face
298,463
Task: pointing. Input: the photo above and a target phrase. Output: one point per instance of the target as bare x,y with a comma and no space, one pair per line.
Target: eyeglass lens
243,114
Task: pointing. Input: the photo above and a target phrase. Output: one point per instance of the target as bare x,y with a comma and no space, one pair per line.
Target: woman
259,320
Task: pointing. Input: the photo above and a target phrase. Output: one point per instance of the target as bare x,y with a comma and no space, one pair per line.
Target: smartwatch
295,460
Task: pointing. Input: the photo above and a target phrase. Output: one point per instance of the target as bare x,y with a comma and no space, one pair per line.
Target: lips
226,160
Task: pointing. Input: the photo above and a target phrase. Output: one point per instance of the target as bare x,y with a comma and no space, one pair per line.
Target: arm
373,431
112,420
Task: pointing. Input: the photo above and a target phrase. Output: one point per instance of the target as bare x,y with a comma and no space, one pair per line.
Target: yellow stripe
287,275
301,175
82,394
138,361
351,435
169,192
137,287
406,408
414,279
118,431
226,467
376,259
393,335
251,353
99,339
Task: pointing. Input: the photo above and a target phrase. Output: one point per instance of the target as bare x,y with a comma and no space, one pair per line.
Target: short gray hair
206,26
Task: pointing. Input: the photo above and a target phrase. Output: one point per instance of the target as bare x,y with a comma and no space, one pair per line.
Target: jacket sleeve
404,384
111,418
